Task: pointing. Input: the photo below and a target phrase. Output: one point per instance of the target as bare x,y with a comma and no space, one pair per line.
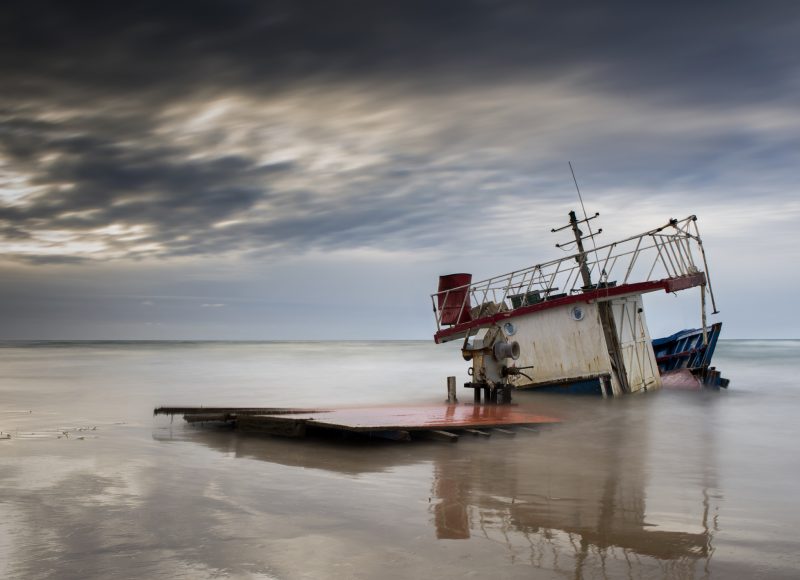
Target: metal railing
665,252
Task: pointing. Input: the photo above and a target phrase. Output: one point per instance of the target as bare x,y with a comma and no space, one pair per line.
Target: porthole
509,329
577,313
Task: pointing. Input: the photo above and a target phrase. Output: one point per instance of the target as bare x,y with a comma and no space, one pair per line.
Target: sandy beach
664,485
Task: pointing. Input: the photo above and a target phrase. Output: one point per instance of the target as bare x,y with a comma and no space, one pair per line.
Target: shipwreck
577,324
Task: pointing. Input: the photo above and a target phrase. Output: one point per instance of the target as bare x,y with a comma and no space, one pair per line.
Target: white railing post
671,248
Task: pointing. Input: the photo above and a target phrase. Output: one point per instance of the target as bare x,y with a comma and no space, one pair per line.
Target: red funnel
455,304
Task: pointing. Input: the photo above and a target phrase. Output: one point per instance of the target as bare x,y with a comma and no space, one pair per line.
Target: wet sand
664,485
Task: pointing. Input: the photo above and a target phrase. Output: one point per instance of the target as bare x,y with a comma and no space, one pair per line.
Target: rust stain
411,418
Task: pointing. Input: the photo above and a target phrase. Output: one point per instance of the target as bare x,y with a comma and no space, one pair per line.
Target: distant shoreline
61,342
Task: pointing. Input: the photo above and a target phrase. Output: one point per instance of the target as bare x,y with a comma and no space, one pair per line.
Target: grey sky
307,169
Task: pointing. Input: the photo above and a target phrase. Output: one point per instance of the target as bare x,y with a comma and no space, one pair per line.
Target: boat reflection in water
573,498
589,506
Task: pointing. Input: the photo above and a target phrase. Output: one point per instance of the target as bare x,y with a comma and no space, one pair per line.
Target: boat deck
397,423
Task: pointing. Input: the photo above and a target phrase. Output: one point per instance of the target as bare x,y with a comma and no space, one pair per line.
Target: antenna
580,257
583,207
579,237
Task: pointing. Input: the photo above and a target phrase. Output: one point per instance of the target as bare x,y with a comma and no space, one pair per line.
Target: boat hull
688,351
684,363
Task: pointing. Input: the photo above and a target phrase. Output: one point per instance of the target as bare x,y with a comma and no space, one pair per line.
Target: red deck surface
416,418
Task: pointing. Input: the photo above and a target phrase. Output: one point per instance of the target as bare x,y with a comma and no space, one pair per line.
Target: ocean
662,485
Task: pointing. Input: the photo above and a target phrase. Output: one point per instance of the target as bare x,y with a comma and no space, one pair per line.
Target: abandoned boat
577,324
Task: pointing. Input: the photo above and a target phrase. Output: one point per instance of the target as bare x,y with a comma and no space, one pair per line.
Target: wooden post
613,345
451,391
703,313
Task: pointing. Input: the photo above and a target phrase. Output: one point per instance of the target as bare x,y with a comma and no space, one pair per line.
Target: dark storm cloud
111,182
90,90
179,199
738,50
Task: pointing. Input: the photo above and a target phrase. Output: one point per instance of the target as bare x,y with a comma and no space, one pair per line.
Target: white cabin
572,335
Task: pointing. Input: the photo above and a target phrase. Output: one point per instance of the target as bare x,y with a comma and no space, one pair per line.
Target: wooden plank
439,435
504,432
237,410
613,345
272,427
450,417
391,435
398,423
202,418
478,432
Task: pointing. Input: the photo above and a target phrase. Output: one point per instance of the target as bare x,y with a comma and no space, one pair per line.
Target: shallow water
663,485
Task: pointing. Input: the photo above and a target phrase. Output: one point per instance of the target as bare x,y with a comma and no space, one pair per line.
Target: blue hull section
587,387
685,349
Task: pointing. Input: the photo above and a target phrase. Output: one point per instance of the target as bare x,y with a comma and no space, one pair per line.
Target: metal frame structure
663,254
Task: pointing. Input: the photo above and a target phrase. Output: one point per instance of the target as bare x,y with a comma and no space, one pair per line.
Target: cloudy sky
288,170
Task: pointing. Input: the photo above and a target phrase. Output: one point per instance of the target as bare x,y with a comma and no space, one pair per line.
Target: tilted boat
577,324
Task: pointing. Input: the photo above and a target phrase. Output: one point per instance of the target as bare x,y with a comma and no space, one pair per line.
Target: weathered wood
272,426
396,423
506,432
236,410
614,347
478,432
204,417
391,435
451,417
440,435
451,390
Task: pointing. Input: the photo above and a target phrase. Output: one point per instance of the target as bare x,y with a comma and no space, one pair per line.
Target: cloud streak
239,175
260,132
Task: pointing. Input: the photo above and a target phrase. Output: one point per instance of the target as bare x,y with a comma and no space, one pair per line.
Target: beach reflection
589,506
666,485
572,498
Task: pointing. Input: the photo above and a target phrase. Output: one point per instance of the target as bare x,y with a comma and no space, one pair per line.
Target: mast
604,309
581,257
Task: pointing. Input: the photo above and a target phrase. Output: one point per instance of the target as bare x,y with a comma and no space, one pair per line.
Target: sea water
661,485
